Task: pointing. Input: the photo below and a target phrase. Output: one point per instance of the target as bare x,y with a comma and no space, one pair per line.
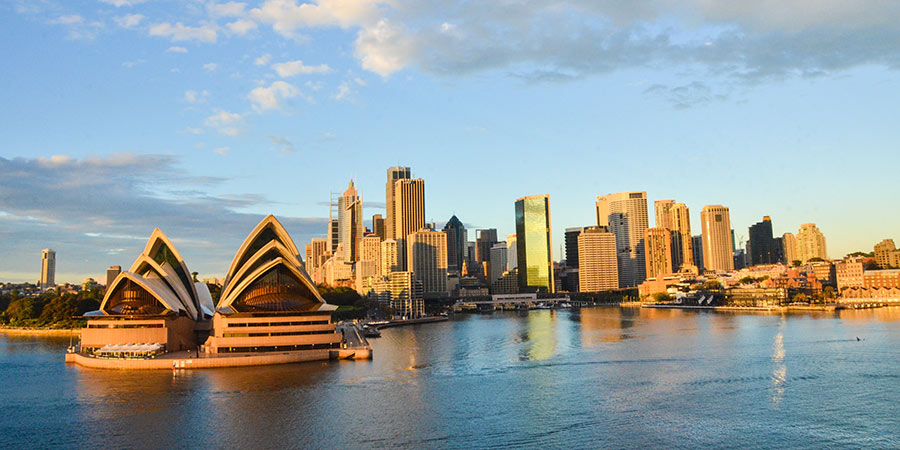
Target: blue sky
200,117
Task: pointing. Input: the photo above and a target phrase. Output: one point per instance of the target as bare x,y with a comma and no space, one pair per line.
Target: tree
748,280
662,297
815,259
796,263
800,298
828,293
194,275
712,284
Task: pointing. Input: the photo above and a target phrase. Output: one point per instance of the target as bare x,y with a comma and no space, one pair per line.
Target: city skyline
124,115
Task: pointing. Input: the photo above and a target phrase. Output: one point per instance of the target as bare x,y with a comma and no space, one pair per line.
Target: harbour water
598,377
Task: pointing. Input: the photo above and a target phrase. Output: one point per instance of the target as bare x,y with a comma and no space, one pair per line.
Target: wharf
400,323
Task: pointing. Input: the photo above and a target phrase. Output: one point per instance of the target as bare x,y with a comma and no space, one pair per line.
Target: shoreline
41,331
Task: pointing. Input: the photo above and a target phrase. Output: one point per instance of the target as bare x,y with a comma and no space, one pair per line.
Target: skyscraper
484,240
598,260
677,218
572,246
393,174
511,260
811,243
762,243
456,244
427,256
658,243
886,254
697,243
534,253
409,212
334,234
498,261
378,226
718,249
48,268
625,213
370,250
111,274
791,252
350,222
390,259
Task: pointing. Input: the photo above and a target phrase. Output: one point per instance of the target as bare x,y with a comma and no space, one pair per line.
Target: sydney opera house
268,304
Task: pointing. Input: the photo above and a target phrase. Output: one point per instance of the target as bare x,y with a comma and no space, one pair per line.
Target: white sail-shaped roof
270,252
154,286
159,248
144,266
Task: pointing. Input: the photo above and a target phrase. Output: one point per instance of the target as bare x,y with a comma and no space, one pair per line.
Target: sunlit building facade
677,218
534,252
625,214
48,268
598,261
718,249
811,243
350,222
658,244
427,256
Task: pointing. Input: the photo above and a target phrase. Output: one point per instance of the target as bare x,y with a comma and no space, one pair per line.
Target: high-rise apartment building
334,234
390,257
456,244
403,293
370,250
625,213
48,268
811,243
534,253
718,247
427,257
393,174
498,261
571,237
886,254
378,226
677,218
597,260
409,212
762,243
789,248
658,245
111,274
350,222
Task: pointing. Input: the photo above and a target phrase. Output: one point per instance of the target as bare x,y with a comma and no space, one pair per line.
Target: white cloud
130,64
385,48
129,20
241,27
286,16
343,91
176,49
294,68
271,97
263,60
226,123
360,81
120,3
229,9
314,85
72,19
210,67
181,32
222,150
192,96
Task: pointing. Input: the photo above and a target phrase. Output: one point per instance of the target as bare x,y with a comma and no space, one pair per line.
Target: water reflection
540,336
779,374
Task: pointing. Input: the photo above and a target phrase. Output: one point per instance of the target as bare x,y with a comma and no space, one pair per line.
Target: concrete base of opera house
189,360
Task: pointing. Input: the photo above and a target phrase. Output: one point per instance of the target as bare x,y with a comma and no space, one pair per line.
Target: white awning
130,348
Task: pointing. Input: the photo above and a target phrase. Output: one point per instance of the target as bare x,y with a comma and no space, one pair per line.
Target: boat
371,332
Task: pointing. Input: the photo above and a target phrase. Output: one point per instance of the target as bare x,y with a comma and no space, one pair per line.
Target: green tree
748,280
22,311
662,297
712,284
800,298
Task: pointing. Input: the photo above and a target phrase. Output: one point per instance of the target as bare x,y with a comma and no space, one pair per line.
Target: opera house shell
269,302
155,302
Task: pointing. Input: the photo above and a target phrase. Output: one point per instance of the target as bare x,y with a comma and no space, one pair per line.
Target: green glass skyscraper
533,246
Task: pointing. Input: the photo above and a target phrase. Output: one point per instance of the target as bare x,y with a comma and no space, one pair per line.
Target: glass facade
533,246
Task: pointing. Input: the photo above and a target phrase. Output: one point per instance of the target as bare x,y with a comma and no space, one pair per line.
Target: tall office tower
811,243
697,244
321,248
511,261
597,260
378,226
791,252
498,261
111,274
427,255
370,250
885,252
456,244
350,222
48,268
470,254
484,240
762,244
409,212
334,234
718,247
659,259
393,174
534,253
572,246
677,218
625,213
390,258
